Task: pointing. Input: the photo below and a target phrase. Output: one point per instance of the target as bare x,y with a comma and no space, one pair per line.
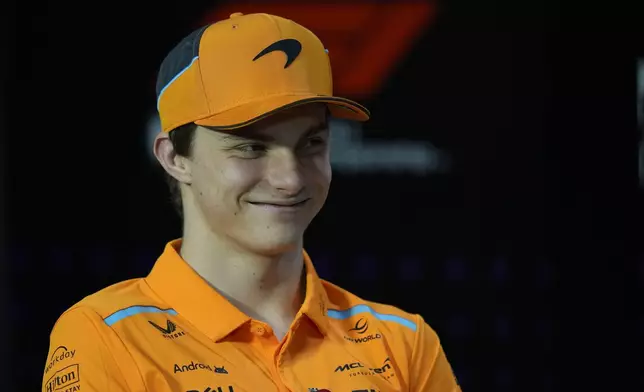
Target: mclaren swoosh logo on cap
291,47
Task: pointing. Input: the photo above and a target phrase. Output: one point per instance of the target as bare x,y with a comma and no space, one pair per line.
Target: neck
268,288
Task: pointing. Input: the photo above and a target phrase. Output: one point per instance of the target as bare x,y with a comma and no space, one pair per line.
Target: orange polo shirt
171,331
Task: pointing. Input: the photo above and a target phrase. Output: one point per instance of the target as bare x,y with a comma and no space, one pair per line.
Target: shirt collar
315,303
194,299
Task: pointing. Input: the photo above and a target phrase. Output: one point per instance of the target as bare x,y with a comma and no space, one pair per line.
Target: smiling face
262,185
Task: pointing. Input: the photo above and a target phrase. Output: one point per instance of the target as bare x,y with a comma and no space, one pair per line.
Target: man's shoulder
125,296
358,315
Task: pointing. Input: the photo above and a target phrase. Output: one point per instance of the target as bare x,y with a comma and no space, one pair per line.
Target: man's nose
284,174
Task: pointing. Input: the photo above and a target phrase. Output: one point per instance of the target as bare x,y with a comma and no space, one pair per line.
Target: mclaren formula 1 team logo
354,369
291,48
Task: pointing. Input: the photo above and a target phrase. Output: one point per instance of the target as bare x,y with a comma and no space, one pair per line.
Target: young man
236,304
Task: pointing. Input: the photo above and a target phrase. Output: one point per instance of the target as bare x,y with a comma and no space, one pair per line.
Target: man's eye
314,144
315,141
251,148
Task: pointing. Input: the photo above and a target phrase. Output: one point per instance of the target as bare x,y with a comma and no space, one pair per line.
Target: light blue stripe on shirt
344,314
133,310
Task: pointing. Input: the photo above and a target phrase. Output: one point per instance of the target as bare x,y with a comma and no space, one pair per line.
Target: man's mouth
281,204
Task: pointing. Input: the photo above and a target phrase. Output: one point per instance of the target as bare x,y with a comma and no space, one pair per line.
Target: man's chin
275,241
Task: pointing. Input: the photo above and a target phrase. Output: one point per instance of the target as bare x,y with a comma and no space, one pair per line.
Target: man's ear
175,165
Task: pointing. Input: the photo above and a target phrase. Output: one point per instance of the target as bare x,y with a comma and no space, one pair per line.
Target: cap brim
252,112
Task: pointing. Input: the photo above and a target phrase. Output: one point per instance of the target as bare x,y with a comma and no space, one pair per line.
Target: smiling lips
281,205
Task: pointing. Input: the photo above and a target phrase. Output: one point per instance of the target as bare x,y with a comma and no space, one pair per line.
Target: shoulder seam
419,321
412,359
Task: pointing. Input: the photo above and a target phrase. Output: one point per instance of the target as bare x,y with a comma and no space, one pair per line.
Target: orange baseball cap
237,71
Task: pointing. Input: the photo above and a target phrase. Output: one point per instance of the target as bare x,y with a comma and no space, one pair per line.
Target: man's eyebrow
317,128
237,137
231,137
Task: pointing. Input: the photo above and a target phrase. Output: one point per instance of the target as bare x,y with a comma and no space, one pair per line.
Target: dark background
525,256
